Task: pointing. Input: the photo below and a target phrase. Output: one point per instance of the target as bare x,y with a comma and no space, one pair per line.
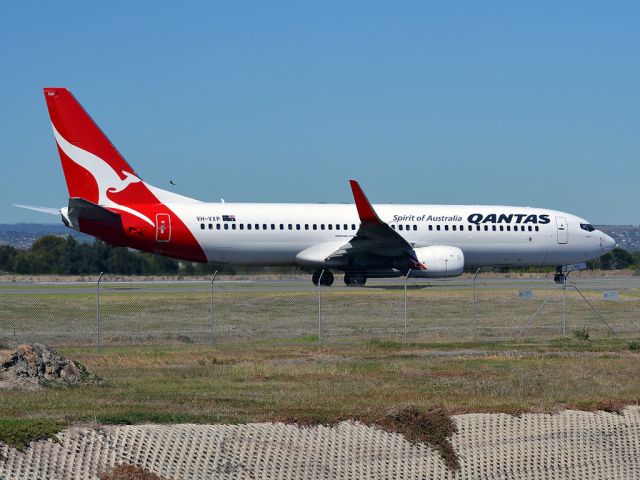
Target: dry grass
433,427
308,385
129,472
181,312
243,384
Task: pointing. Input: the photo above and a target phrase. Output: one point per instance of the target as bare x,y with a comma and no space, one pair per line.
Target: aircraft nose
608,243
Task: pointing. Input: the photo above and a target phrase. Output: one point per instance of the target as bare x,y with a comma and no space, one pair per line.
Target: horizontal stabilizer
82,209
49,210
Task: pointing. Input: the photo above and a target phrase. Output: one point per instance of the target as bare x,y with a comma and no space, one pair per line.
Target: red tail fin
91,164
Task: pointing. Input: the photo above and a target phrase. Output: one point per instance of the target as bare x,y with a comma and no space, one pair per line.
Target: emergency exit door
563,231
163,227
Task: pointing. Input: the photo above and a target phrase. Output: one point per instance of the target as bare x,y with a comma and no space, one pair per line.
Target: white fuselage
273,234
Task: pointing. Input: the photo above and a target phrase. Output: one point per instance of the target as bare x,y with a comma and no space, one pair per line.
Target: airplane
110,201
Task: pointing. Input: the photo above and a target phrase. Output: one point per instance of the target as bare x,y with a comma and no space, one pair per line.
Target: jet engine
440,261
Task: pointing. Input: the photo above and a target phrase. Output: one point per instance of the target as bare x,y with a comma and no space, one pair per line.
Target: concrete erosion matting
566,445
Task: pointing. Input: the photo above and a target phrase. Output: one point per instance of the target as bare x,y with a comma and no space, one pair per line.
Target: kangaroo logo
105,176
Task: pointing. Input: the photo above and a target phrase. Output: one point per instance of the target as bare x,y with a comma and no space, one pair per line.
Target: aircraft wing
374,238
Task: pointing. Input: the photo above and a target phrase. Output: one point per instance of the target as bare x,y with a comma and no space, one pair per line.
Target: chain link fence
293,310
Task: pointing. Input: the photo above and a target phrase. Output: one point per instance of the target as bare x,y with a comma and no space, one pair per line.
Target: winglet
366,212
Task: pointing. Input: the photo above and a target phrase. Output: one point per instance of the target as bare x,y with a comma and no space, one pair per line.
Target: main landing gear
354,279
325,277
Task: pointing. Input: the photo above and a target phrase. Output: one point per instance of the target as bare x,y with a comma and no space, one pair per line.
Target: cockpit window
587,226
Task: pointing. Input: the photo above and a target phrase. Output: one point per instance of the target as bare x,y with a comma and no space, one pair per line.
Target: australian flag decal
228,218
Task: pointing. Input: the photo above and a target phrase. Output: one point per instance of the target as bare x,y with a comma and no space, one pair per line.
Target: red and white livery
109,200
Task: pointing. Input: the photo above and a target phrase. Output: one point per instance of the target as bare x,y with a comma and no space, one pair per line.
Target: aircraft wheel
354,280
559,278
325,281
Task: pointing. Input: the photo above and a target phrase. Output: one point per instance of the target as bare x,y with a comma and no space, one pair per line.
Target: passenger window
353,226
226,226
454,228
297,226
242,226
264,226
233,226
438,227
530,228
248,226
290,227
315,226
217,226
337,226
345,226
329,226
393,226
202,226
400,227
211,226
415,228
407,227
306,226
431,228
469,227
282,226
493,228
322,226
258,226
486,228
446,227
273,226
537,228
502,228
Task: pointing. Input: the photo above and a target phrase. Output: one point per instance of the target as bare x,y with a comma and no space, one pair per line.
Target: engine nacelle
440,261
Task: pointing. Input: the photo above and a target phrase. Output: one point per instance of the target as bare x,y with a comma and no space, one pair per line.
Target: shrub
582,333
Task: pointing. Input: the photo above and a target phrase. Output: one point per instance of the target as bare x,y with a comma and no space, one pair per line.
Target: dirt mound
33,366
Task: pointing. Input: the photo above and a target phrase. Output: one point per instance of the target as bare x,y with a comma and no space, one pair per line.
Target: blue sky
425,102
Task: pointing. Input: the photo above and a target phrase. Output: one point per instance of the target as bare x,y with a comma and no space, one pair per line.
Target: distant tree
67,256
7,257
46,255
617,259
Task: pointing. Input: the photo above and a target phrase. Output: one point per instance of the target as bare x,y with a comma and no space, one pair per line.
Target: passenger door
563,230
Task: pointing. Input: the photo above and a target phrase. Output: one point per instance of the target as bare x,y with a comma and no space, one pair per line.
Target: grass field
268,365
181,312
312,384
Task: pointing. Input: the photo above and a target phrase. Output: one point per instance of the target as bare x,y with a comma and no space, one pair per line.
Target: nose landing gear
560,276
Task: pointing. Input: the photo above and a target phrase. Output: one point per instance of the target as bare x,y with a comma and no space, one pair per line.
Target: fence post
564,306
475,306
213,312
98,313
405,306
320,308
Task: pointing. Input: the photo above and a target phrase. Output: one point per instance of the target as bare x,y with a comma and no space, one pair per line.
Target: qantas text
477,218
